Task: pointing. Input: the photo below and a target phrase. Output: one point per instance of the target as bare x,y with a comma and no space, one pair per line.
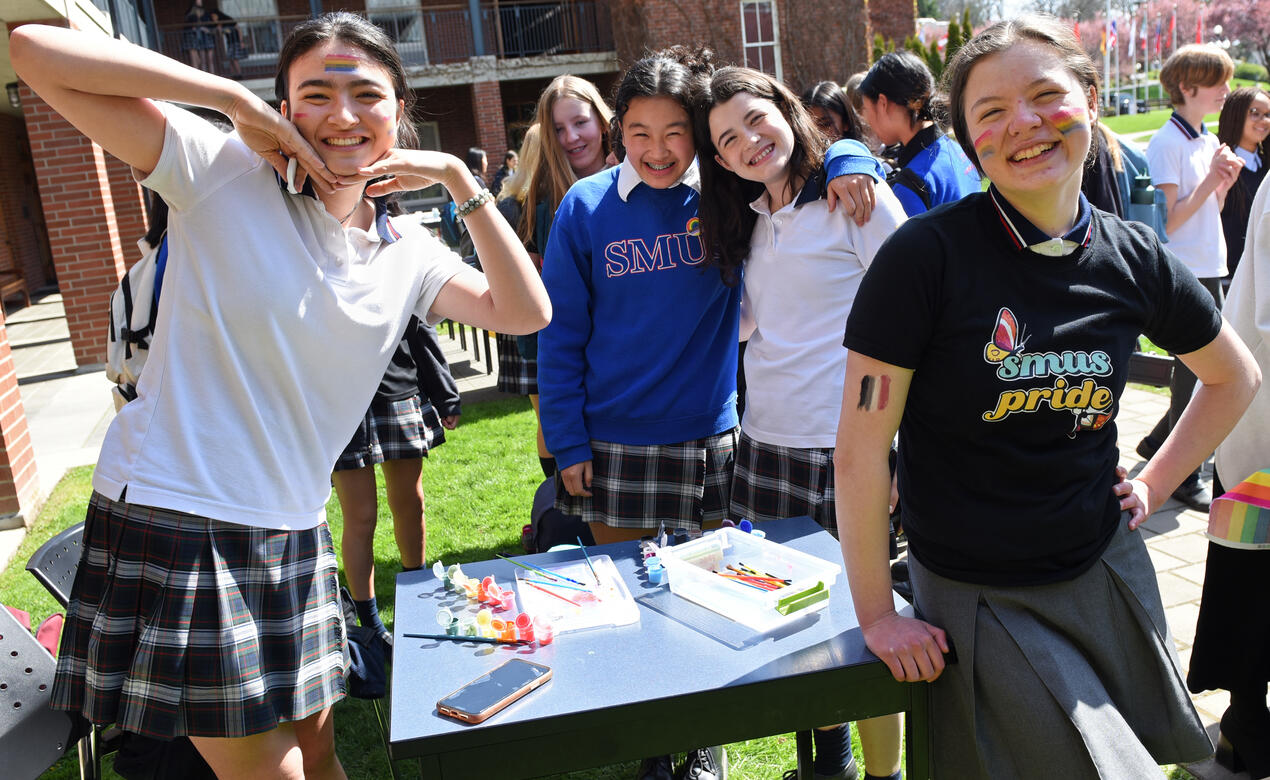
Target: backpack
133,310
912,182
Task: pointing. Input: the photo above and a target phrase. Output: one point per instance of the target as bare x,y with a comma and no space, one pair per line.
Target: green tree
935,60
881,46
928,9
955,40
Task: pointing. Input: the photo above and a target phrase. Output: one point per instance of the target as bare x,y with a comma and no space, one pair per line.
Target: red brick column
19,483
130,207
74,177
491,128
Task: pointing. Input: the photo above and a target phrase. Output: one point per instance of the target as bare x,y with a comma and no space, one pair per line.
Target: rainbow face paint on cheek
1069,119
984,146
299,115
340,63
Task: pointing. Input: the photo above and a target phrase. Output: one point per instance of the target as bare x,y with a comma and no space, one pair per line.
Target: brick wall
79,210
19,482
822,41
894,19
451,109
130,209
491,127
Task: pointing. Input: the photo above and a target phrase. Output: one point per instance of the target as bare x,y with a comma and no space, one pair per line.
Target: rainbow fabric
1240,517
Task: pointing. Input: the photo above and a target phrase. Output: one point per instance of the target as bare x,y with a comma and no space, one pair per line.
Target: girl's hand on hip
1135,497
577,478
912,649
274,138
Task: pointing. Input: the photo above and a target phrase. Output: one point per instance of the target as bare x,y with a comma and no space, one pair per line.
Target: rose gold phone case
483,715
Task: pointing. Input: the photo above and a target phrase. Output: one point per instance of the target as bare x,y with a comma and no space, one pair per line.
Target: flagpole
1106,50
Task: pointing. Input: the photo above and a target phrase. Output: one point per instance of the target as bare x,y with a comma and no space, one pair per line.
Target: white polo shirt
801,278
1178,154
275,326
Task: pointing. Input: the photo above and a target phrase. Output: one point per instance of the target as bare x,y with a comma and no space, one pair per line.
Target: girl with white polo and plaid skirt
205,604
763,209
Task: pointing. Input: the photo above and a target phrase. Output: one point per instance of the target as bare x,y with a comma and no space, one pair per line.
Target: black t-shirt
1007,443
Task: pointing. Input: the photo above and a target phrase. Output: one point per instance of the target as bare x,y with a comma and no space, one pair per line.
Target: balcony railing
424,36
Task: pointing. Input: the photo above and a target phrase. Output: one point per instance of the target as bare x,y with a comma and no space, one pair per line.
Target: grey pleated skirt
1077,679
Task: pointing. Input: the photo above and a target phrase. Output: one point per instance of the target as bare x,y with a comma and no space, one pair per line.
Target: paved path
68,412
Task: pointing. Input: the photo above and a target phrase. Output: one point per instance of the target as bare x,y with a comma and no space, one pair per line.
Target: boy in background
1194,171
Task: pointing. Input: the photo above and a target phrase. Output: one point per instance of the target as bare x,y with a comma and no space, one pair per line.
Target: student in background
568,141
1243,126
506,169
828,105
416,403
1195,171
898,94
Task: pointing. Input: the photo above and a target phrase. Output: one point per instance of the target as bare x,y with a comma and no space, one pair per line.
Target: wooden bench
12,283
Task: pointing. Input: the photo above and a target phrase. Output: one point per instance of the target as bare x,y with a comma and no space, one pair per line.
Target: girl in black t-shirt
994,335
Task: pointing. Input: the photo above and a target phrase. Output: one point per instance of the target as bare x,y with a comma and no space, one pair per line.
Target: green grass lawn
479,486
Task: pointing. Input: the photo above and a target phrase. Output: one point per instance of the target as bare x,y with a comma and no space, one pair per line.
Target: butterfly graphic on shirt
1008,338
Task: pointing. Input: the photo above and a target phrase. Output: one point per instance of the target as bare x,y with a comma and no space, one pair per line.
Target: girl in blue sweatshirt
637,373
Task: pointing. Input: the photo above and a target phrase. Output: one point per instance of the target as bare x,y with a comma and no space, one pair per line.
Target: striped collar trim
1184,126
1024,235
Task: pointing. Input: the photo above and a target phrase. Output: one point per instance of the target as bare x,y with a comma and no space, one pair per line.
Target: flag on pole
1076,28
1133,36
1173,28
1102,42
1159,36
1199,27
1111,36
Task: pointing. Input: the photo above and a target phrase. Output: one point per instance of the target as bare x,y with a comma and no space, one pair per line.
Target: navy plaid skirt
393,430
772,482
180,625
683,485
516,374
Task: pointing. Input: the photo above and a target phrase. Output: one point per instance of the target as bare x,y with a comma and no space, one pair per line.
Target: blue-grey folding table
680,678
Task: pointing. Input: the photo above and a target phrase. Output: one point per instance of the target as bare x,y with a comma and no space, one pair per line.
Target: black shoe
849,772
1240,747
1146,448
655,768
708,763
1194,493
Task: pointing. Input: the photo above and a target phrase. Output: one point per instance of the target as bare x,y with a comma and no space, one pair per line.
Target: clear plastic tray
691,570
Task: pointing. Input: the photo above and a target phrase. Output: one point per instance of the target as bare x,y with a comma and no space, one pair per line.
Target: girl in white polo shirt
205,604
763,209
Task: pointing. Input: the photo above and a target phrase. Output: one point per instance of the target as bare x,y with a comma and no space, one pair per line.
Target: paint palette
691,569
582,603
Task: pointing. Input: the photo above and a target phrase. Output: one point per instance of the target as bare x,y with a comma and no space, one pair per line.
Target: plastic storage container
690,568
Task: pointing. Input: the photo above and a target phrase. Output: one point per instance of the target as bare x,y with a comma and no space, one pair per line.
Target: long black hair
674,73
1230,131
904,79
727,221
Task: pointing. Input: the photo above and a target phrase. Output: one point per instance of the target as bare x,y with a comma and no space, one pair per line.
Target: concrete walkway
68,412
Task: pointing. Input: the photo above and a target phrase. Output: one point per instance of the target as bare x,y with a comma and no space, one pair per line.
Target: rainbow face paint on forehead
1070,118
341,63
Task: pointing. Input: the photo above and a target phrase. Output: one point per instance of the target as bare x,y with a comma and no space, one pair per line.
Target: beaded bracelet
473,203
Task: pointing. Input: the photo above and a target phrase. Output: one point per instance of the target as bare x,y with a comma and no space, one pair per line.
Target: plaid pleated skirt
683,485
393,430
516,374
180,625
771,482
1075,679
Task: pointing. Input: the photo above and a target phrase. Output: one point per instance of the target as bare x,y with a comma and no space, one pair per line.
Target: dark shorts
516,374
393,430
180,625
683,485
772,482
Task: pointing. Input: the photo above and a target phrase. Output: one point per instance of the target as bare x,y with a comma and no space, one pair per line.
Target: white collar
627,178
1252,160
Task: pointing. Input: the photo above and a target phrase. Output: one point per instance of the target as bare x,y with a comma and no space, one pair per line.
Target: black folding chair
33,736
56,562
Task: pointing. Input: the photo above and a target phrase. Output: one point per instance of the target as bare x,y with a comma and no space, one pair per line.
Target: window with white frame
760,36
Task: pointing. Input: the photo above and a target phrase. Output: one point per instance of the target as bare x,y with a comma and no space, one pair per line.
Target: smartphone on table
489,693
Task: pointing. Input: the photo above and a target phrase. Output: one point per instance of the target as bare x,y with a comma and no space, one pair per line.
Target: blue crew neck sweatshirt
642,344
